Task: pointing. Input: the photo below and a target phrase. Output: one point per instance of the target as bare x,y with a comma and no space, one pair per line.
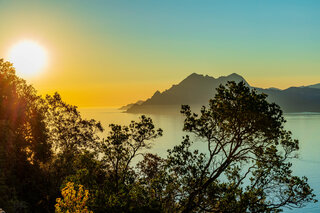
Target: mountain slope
314,86
193,90
190,90
295,99
196,90
128,106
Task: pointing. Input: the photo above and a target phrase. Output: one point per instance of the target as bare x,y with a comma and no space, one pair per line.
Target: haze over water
304,127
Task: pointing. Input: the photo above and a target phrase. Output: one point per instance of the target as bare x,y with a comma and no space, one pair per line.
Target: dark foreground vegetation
52,160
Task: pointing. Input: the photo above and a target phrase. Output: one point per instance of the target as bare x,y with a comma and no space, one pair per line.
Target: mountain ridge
128,106
197,89
315,86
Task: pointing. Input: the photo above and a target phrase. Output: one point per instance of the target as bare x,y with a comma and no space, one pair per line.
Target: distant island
196,90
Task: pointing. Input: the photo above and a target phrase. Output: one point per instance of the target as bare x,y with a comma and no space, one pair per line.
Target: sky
110,53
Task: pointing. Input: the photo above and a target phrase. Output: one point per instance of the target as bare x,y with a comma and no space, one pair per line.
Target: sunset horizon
172,106
108,54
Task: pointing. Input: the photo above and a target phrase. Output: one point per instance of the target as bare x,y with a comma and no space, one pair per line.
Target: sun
28,57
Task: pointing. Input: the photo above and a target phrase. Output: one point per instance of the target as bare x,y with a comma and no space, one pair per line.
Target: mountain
273,88
193,90
196,90
190,90
128,106
314,86
295,99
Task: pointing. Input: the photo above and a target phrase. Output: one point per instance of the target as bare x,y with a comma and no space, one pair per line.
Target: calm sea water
304,127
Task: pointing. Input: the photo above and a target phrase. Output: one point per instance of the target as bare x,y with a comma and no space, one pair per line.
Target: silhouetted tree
40,141
246,167
45,143
73,139
24,147
158,189
123,144
69,134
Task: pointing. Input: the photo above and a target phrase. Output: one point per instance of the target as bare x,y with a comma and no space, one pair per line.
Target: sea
304,126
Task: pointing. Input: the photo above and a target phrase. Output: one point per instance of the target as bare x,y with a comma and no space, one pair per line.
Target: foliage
73,200
247,164
123,144
46,144
158,188
23,143
40,138
72,138
69,132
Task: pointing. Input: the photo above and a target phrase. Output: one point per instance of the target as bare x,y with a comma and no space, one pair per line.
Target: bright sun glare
28,57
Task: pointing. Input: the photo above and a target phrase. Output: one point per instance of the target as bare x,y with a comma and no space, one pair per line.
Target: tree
73,199
69,132
24,146
90,172
45,143
123,144
40,140
157,188
246,167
